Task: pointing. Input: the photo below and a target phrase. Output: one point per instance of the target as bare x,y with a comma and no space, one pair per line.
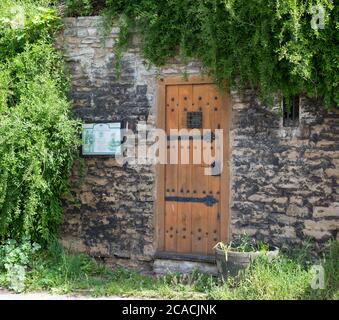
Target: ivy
272,46
38,136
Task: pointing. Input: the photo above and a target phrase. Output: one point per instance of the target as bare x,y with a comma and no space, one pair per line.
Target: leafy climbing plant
278,46
14,259
38,136
78,7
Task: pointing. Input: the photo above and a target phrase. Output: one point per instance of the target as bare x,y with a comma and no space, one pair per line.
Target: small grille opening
194,120
291,111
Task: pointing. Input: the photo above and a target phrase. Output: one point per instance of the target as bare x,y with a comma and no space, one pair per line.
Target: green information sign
101,138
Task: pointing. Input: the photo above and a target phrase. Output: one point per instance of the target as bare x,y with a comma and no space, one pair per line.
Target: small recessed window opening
194,120
291,111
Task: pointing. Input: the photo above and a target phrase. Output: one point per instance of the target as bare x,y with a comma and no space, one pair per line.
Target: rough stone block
81,33
317,234
322,225
70,22
92,32
296,211
296,200
83,22
332,172
332,211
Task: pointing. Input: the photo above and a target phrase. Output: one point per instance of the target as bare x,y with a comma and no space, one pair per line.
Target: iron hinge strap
208,200
206,137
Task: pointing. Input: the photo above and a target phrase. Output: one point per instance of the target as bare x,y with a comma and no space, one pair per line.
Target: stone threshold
170,262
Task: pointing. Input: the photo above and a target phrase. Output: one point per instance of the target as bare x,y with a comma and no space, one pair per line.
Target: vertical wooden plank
225,176
217,122
171,172
200,181
184,174
159,219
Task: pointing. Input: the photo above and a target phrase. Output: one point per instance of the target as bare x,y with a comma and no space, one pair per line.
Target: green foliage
58,270
282,278
25,21
331,267
287,277
38,137
330,263
73,267
14,259
78,7
269,45
243,243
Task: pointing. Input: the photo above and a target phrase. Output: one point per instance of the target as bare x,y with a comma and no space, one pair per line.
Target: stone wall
284,181
111,212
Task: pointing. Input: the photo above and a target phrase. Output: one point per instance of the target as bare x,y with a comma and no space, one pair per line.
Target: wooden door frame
159,217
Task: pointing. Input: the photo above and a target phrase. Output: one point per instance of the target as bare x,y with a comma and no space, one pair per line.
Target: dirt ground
9,295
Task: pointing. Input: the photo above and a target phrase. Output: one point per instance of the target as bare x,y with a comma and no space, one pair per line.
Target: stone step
165,266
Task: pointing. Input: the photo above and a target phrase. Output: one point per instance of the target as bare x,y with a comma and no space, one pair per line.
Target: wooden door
192,206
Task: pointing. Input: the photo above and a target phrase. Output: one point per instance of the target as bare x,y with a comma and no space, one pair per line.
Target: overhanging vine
276,46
